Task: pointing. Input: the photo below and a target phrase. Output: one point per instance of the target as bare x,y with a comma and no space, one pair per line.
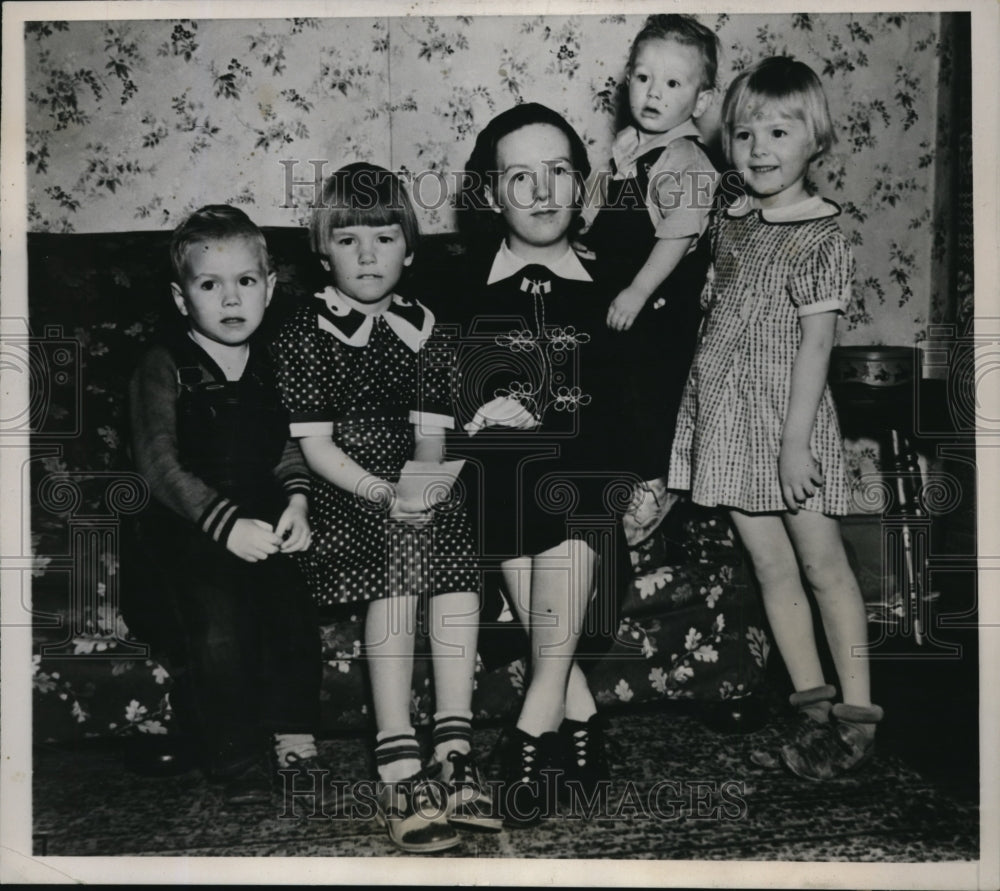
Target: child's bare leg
553,610
817,540
580,705
390,631
454,630
851,743
785,601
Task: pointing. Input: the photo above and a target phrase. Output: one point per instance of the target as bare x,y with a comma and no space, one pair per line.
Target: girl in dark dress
544,445
358,369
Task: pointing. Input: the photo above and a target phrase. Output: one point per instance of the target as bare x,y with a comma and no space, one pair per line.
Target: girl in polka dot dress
757,429
366,379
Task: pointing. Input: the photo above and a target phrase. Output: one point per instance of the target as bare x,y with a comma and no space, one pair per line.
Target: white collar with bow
409,320
506,263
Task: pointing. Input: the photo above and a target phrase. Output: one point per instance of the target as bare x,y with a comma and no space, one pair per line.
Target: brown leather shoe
812,713
847,744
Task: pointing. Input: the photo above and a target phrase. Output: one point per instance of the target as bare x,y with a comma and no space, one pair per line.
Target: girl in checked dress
757,430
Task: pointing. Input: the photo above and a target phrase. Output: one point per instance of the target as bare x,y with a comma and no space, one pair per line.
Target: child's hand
503,411
799,474
252,540
293,526
625,307
415,514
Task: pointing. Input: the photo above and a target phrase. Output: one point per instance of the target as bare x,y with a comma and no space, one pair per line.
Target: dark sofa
689,629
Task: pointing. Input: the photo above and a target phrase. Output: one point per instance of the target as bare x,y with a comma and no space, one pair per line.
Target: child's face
225,289
772,149
664,85
366,262
537,191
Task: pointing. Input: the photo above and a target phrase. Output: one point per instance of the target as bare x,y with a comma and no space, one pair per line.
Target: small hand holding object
409,512
252,540
625,307
799,474
503,411
293,526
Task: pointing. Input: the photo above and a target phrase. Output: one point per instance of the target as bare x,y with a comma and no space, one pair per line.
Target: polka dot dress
767,274
367,393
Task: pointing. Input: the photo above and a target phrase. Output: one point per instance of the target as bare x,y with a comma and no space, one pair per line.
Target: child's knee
829,576
774,568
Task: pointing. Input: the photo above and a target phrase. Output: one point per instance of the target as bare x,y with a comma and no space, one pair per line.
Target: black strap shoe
585,760
531,775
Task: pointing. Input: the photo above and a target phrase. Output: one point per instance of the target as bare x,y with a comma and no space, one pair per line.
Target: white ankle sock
397,754
302,745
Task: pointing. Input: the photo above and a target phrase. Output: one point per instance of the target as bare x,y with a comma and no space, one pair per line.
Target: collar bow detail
409,320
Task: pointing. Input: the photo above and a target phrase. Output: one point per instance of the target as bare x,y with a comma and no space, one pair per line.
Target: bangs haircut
790,86
363,194
214,222
687,31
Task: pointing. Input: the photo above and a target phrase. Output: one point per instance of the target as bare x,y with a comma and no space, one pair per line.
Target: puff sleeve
436,381
821,281
299,376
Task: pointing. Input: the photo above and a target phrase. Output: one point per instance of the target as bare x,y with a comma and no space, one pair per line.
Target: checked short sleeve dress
366,381
770,268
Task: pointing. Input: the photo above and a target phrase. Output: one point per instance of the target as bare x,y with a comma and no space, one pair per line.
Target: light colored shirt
682,181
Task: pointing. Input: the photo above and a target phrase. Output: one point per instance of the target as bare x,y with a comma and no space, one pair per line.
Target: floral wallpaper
130,124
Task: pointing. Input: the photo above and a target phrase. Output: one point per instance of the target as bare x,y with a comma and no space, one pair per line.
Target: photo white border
17,864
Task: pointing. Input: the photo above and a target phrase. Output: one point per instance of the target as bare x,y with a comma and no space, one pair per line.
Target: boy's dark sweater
213,476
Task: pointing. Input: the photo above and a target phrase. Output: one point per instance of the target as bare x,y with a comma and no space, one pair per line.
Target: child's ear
408,259
702,103
324,263
179,301
272,280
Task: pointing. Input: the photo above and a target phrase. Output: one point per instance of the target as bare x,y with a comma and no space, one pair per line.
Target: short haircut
363,194
686,30
481,168
791,85
213,222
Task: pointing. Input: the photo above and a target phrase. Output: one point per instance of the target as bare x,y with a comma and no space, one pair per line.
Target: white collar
627,148
811,208
506,263
410,320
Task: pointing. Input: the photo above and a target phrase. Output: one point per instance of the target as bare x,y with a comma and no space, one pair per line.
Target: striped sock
452,733
397,754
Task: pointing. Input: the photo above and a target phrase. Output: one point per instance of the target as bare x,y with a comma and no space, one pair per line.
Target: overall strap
190,372
644,164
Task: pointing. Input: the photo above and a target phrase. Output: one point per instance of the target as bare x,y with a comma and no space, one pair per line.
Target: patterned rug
680,792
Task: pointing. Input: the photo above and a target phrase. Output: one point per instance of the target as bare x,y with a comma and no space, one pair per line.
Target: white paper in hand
423,484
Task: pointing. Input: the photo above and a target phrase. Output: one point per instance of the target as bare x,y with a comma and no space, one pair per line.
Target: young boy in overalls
222,603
